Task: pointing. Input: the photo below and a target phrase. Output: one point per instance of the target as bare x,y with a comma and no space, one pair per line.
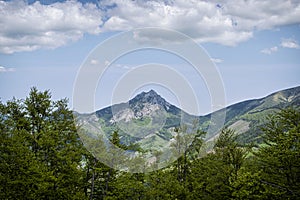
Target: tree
163,184
128,186
230,151
213,176
248,185
99,164
17,161
40,151
279,158
186,147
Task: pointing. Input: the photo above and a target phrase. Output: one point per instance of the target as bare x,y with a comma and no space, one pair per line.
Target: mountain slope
247,117
149,120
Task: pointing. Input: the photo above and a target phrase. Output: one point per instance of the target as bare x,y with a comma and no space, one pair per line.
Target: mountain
247,117
149,120
139,107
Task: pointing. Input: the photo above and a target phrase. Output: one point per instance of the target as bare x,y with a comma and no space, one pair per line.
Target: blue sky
254,44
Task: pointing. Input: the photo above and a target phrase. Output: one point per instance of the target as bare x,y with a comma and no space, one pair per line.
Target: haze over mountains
149,120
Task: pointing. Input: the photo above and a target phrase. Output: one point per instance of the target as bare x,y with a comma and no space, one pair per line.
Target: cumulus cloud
269,51
6,69
28,27
201,20
228,23
290,43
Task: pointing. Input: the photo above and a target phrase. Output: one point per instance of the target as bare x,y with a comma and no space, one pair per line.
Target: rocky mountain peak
150,97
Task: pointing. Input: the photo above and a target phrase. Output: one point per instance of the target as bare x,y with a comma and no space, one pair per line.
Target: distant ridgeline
150,120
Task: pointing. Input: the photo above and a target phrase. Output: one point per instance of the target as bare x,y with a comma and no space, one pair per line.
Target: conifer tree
280,157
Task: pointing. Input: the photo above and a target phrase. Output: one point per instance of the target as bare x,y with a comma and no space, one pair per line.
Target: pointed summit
152,92
150,97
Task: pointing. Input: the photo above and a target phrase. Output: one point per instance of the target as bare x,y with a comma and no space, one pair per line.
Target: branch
277,186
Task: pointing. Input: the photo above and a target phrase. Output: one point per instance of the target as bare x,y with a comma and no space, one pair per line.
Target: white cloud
216,60
200,20
228,23
6,69
94,62
269,51
290,43
29,27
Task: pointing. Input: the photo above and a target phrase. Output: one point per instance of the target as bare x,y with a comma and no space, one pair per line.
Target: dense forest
42,157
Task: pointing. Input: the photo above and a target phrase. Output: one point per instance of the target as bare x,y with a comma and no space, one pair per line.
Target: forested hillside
42,157
247,117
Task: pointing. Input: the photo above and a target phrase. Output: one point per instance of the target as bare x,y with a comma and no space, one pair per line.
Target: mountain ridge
151,97
149,120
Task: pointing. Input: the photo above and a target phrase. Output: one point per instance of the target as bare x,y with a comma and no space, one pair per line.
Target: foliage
42,157
279,159
40,152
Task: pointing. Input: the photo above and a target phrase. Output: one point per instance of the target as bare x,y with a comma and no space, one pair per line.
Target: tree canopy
42,157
